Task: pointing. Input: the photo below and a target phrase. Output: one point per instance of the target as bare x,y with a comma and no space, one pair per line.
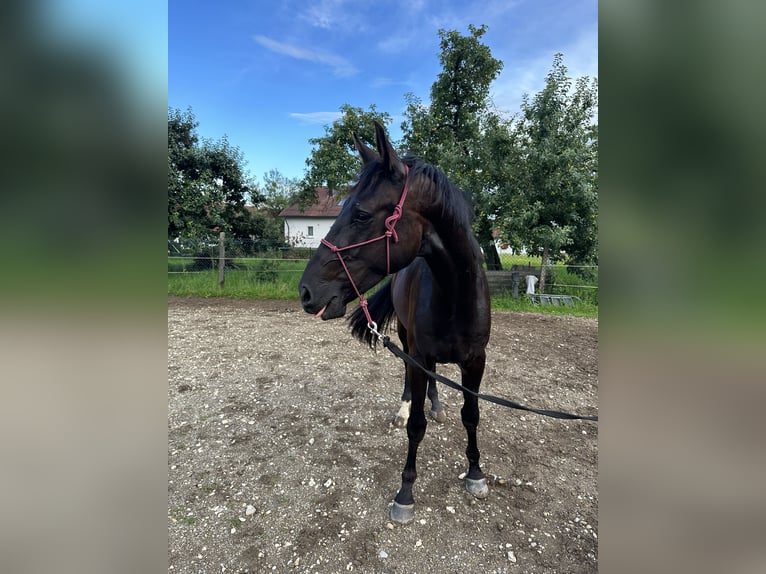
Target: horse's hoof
478,488
439,416
402,513
400,422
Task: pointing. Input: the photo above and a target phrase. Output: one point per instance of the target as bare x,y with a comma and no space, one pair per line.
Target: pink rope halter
390,232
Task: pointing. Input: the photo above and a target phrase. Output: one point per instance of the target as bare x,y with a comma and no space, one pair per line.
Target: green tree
551,199
334,161
450,131
183,203
583,249
460,94
207,182
278,192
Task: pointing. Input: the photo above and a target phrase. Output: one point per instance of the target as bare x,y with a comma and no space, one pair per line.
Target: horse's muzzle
318,306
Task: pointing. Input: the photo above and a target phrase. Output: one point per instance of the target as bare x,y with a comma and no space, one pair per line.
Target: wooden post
221,258
543,269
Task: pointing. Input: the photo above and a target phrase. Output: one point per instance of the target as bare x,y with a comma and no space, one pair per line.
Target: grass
244,284
278,279
508,303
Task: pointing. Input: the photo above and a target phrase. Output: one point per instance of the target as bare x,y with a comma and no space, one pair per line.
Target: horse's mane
455,206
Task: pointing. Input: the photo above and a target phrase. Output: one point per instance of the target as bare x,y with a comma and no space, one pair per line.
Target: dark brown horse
403,216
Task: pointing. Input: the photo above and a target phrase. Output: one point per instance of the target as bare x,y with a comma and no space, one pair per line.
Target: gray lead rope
458,387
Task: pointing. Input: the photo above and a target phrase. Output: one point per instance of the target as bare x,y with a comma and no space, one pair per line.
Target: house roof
326,206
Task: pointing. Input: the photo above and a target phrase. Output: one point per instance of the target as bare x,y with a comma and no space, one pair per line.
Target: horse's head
364,238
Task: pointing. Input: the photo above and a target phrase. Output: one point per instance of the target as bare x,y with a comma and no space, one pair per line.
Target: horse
404,218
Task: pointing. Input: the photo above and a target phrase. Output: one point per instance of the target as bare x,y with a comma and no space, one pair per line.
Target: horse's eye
362,217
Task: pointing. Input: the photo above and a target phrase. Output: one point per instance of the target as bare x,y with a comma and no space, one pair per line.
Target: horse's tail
381,308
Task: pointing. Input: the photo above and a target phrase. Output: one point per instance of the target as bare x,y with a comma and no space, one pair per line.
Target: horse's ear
368,154
387,152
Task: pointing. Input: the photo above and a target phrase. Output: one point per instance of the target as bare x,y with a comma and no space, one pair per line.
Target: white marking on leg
403,415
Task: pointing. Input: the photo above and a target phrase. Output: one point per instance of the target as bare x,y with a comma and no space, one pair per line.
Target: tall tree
207,182
460,94
334,161
449,132
551,201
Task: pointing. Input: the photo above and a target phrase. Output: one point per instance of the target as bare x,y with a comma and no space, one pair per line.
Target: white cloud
324,14
341,66
321,118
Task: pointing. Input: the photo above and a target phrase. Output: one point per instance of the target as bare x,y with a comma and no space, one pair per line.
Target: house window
311,231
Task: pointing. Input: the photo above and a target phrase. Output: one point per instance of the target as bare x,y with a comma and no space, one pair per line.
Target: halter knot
390,224
332,247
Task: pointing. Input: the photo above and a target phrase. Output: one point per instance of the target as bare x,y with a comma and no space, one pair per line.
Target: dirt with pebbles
282,456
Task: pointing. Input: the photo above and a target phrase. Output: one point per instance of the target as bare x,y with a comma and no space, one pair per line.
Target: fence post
221,258
515,280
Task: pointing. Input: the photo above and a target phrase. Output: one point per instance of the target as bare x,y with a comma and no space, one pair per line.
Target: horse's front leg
403,510
472,371
437,409
403,414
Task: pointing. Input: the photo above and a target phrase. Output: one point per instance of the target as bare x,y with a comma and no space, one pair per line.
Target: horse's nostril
305,294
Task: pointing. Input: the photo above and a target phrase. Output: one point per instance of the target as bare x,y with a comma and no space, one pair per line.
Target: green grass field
278,279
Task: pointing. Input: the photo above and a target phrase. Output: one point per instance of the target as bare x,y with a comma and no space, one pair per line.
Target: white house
307,228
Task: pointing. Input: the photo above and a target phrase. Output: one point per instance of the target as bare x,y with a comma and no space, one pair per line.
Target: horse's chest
449,344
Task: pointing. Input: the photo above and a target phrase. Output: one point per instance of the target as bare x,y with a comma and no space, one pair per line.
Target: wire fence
277,262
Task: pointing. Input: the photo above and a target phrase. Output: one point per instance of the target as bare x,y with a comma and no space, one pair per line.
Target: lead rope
489,398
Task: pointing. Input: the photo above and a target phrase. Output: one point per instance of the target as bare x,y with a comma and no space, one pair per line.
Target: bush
267,270
203,262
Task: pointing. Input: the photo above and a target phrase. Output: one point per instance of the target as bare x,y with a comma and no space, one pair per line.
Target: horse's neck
451,251
455,261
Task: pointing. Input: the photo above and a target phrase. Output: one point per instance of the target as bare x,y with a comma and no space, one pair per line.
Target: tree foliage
207,183
278,192
550,202
450,131
532,177
460,94
334,161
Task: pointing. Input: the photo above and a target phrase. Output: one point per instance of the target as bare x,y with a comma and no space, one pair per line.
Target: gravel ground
282,456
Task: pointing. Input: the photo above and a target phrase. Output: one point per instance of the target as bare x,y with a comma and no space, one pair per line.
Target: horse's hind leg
472,371
437,409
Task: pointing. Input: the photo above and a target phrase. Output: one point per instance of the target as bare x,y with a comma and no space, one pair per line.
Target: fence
277,262
560,279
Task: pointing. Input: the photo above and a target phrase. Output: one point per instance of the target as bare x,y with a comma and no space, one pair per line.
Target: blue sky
270,75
